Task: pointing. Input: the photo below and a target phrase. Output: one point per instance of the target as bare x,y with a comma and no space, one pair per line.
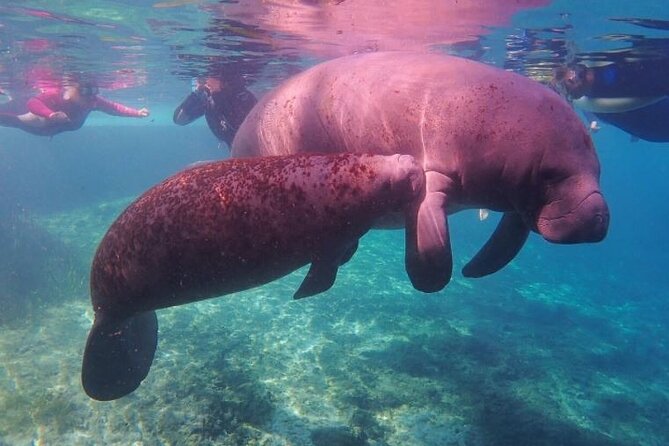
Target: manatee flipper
323,270
348,253
428,258
503,245
118,355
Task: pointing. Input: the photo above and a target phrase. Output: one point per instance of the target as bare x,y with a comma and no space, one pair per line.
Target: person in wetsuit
65,109
223,101
630,93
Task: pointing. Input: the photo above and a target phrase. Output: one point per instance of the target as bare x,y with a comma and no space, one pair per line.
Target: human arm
43,105
191,108
117,109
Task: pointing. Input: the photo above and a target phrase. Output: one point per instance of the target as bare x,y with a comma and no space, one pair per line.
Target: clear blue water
566,346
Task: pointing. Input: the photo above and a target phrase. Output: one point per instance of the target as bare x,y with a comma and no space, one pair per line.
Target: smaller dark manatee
228,226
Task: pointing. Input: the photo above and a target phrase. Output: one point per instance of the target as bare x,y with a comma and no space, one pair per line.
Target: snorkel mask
88,90
570,80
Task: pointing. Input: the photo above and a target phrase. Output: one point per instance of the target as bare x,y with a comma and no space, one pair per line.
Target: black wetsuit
650,123
647,78
224,110
644,77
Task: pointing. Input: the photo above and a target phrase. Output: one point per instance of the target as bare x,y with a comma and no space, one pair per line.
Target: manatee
486,139
229,226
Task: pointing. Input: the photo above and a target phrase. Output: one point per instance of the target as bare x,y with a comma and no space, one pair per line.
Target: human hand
59,117
594,126
144,112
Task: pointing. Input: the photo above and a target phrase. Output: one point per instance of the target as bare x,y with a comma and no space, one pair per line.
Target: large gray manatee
486,138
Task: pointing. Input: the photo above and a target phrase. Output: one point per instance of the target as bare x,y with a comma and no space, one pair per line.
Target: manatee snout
595,206
588,222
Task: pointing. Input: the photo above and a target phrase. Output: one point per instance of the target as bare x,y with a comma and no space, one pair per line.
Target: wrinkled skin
224,227
486,138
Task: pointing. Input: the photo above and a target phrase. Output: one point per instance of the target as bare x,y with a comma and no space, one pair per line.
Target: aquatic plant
53,407
364,423
337,436
236,399
35,268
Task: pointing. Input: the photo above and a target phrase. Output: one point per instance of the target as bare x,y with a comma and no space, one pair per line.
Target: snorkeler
632,95
65,109
224,102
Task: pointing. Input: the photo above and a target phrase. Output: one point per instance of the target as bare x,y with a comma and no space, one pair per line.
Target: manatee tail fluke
118,355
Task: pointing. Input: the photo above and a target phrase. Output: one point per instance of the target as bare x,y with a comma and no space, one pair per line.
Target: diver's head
573,81
79,90
88,89
214,84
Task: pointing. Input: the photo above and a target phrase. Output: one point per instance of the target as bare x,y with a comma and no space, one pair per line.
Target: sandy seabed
525,357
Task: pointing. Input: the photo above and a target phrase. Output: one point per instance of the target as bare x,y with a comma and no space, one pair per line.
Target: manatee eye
552,175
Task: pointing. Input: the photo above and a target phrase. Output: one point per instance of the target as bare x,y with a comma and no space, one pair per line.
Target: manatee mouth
587,222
